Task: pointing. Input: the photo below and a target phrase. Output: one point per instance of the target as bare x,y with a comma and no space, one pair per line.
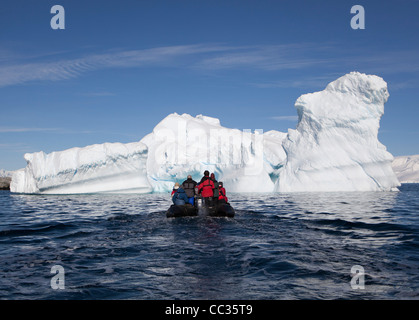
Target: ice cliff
108,167
335,145
334,148
181,144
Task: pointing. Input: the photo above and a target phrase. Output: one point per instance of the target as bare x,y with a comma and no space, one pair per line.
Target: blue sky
119,67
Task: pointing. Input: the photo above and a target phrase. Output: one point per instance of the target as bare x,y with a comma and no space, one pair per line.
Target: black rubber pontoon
219,209
222,210
186,210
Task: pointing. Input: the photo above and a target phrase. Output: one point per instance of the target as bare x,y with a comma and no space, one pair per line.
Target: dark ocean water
278,246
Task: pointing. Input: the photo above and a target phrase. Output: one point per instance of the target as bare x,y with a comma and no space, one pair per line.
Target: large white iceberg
108,167
334,148
181,144
335,145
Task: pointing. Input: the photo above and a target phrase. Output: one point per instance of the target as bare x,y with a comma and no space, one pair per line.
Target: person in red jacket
206,188
222,198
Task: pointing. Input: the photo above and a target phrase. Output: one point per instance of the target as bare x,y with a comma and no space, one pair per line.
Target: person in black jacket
189,186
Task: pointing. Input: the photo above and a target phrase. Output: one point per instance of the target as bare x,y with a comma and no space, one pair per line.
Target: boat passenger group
208,188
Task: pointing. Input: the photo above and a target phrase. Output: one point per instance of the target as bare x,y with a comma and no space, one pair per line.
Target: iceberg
100,168
181,145
406,168
334,147
178,146
5,173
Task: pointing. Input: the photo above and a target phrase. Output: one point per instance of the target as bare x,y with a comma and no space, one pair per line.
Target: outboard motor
202,210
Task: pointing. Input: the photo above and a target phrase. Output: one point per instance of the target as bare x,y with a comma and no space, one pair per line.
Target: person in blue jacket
180,197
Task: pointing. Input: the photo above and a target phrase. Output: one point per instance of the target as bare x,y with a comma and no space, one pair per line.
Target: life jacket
222,194
206,187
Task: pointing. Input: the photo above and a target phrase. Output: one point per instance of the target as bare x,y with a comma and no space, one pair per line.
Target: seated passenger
216,186
189,186
180,197
175,188
222,198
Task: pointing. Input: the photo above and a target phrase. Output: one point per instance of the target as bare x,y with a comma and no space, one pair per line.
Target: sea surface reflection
278,246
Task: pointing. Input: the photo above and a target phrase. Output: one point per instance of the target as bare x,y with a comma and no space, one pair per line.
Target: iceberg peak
335,146
372,88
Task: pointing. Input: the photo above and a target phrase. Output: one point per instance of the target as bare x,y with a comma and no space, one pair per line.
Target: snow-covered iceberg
5,173
406,168
334,148
181,144
108,167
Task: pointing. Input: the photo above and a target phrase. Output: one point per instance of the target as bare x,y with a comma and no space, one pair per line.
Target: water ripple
278,246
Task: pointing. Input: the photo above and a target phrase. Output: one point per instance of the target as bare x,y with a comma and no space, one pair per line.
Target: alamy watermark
58,280
58,20
358,277
358,20
183,145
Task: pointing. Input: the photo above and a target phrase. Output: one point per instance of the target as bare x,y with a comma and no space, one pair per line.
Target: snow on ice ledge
334,148
108,167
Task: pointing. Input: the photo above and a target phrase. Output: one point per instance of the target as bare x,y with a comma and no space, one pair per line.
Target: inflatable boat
221,210
186,210
215,209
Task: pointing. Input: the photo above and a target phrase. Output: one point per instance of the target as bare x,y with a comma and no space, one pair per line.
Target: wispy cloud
285,118
56,131
19,73
269,57
205,57
200,56
23,129
16,147
98,94
403,84
9,145
305,82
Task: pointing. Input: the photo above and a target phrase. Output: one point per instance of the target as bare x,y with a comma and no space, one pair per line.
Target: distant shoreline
5,183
